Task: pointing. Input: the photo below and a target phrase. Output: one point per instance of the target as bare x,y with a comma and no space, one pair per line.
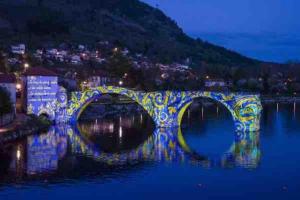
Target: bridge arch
185,109
80,100
244,109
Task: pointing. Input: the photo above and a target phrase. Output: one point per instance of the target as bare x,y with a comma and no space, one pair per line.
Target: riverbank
31,125
279,99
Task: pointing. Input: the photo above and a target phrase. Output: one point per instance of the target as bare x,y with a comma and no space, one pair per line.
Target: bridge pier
252,125
170,116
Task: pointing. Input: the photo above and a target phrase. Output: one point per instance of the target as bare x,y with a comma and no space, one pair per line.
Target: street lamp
26,65
120,82
18,86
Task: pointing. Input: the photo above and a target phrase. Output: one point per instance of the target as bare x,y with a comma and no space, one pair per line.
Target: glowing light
18,154
120,131
26,66
111,128
120,83
18,86
294,109
141,118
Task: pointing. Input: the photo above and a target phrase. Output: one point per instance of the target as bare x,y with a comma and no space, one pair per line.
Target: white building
40,88
100,78
18,49
217,84
76,60
52,52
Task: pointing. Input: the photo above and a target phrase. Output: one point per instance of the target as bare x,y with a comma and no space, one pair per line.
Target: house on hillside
217,84
100,78
75,60
18,49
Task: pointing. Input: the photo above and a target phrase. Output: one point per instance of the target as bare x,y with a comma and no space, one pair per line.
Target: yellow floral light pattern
168,145
167,107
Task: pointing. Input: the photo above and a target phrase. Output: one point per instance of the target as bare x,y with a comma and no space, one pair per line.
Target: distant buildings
40,88
217,84
18,49
100,78
75,60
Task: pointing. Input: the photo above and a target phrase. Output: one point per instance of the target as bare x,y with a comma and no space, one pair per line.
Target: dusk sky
263,29
242,16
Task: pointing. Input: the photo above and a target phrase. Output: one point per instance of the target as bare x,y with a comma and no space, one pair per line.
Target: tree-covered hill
130,23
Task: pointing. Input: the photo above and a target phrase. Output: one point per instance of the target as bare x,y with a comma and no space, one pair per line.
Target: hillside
129,23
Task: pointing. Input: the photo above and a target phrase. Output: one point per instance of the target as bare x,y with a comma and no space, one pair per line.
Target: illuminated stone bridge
165,107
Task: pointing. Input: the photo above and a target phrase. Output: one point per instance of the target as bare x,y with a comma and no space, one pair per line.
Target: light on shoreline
120,131
18,154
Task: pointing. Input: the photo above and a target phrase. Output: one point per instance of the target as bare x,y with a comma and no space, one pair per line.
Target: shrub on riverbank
5,103
38,122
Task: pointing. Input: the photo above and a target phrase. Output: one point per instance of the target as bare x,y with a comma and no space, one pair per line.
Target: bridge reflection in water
44,152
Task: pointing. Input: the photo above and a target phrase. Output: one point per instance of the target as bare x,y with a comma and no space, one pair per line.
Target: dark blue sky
264,29
233,16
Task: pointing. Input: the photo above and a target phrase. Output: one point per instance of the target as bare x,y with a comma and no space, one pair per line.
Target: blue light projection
41,95
45,150
165,145
167,107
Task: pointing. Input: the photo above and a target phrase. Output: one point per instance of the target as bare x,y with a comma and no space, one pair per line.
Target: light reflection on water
119,142
127,147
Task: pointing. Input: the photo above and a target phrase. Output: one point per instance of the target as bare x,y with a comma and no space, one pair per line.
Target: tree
5,102
119,64
4,67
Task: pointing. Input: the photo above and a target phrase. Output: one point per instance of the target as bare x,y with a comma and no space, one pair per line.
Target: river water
124,156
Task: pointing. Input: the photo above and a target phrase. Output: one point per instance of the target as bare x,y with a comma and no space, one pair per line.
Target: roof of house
7,78
214,80
39,71
100,72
